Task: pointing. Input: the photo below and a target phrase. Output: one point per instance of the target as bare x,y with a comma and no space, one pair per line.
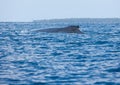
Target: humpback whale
68,29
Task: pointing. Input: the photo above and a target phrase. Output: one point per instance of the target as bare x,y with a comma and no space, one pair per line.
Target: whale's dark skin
69,29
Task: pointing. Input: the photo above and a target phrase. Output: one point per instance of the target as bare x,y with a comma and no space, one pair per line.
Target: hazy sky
28,10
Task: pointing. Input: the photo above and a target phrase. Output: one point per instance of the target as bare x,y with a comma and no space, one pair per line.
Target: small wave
106,83
114,70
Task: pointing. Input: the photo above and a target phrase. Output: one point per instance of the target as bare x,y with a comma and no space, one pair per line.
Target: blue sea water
30,57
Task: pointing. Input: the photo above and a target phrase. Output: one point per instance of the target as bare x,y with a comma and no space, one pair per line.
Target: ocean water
28,57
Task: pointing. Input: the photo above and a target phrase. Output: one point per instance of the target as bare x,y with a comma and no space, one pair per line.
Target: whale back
72,29
69,29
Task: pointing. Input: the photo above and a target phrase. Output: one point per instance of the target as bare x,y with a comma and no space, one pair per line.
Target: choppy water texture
29,57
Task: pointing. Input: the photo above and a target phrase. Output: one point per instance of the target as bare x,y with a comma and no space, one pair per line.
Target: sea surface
28,57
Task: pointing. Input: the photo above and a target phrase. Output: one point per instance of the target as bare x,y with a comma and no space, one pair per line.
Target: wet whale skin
69,29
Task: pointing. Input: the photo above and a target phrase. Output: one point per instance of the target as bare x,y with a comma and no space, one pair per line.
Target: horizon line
50,19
